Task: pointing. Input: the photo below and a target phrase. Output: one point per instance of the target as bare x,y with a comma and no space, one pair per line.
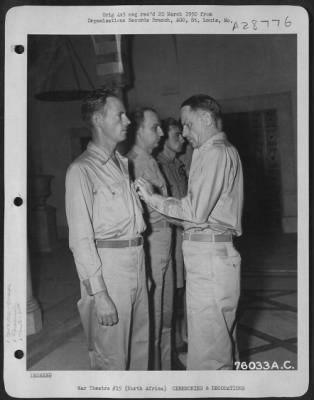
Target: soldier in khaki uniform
146,126
175,175
211,212
105,222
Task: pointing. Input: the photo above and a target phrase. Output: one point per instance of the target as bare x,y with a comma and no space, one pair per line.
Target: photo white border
61,20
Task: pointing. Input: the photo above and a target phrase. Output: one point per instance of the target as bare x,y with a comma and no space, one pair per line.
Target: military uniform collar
163,158
102,155
141,152
217,138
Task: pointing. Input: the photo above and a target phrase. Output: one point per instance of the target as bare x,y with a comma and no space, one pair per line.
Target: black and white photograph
159,188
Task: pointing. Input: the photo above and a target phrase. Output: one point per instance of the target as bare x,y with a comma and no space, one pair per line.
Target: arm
81,239
174,221
203,193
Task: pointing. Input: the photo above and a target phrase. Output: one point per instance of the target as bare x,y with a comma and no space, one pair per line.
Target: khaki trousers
212,291
126,344
162,292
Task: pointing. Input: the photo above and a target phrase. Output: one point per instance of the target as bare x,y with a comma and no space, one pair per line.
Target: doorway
256,136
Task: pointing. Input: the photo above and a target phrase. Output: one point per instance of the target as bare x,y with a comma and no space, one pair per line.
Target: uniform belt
160,224
118,244
206,237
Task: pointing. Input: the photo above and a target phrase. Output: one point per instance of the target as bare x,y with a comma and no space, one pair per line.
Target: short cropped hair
94,101
206,103
137,118
167,123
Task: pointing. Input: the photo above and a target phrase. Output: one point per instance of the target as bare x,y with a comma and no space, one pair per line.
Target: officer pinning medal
211,215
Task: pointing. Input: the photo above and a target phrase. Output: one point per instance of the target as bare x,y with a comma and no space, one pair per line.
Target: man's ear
95,118
140,131
207,117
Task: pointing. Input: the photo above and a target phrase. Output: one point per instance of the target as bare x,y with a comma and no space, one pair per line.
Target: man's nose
160,132
184,132
181,138
126,120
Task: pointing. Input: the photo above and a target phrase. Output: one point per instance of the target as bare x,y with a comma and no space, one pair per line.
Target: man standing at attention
147,130
105,224
174,172
211,212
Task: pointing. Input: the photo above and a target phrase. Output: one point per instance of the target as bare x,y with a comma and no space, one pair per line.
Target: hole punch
18,201
19,49
19,354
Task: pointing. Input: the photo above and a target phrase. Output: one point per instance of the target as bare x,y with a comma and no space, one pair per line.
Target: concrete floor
267,329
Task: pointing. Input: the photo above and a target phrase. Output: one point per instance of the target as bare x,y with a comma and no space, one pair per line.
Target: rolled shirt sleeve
79,212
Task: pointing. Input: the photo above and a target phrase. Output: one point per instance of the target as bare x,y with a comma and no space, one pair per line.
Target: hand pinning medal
143,188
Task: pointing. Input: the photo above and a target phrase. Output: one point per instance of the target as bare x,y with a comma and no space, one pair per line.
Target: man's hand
143,188
105,309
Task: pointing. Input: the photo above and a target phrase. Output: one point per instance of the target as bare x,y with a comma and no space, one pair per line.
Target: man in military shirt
105,221
174,172
147,130
211,212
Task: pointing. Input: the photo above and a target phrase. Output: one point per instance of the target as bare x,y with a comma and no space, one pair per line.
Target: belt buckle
218,238
130,242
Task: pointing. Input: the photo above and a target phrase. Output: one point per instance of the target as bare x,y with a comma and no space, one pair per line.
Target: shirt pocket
110,205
